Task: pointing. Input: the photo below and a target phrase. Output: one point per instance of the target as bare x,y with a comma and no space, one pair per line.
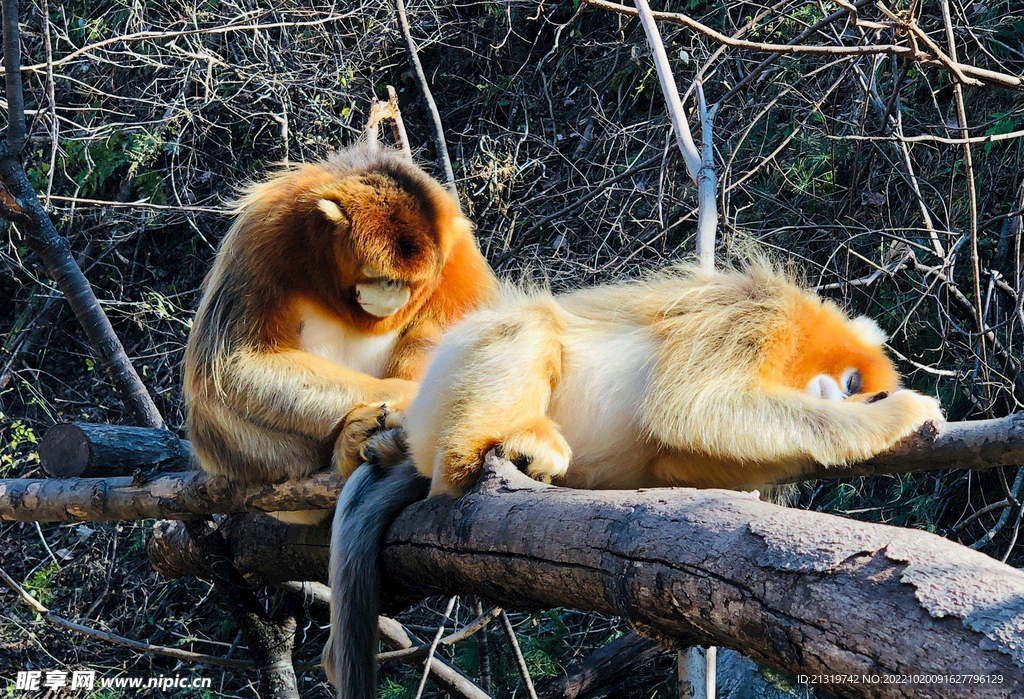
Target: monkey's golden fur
283,348
732,380
683,379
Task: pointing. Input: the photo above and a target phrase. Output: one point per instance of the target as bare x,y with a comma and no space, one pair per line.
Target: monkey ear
868,331
332,211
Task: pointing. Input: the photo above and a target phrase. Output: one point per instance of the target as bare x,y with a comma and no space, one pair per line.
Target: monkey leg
497,393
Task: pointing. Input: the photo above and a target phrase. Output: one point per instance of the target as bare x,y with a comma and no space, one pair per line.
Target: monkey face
387,250
835,357
849,386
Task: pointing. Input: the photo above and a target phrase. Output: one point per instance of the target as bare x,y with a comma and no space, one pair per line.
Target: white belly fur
606,371
341,344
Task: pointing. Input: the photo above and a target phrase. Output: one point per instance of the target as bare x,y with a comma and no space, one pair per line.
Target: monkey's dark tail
370,501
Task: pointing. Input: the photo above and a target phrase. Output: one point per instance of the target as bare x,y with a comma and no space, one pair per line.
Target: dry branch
803,592
611,663
171,495
21,204
440,144
962,72
978,445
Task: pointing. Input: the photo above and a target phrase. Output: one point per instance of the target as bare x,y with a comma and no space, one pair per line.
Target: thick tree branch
800,591
86,450
978,445
12,78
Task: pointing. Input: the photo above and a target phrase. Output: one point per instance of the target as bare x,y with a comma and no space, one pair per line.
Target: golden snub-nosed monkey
731,379
325,297
723,380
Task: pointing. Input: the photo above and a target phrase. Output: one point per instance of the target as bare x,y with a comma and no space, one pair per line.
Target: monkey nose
825,387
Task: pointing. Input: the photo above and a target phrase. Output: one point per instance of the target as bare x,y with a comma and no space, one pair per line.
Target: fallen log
864,610
979,445
85,449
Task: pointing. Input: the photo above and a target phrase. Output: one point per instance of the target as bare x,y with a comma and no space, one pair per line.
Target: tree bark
804,592
169,495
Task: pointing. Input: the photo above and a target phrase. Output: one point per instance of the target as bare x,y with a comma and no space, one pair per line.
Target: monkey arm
299,392
786,426
412,351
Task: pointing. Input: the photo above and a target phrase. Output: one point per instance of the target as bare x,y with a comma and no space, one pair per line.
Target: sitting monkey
325,297
727,380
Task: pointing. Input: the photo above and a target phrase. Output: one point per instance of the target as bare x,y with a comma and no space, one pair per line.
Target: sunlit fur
686,378
281,351
731,380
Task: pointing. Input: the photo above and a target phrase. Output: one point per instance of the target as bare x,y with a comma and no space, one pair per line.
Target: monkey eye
853,382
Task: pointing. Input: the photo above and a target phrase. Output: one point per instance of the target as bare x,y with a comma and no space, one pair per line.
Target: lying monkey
725,380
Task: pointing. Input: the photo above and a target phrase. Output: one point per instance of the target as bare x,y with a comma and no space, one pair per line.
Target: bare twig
933,138
439,141
700,164
517,653
781,49
52,99
483,647
970,75
972,198
522,239
140,646
684,138
167,35
470,629
433,646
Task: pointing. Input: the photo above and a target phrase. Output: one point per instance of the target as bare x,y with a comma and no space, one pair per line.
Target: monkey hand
359,427
538,449
905,412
